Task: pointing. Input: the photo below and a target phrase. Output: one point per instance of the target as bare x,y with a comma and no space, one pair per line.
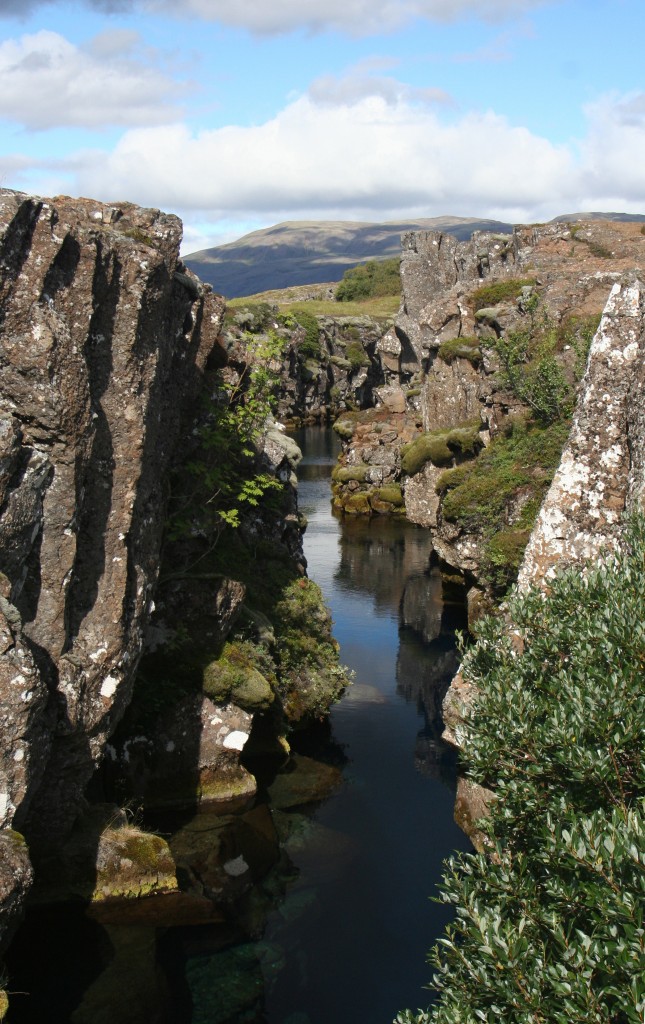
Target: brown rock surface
103,340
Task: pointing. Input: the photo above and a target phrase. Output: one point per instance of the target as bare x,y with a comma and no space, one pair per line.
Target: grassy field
290,300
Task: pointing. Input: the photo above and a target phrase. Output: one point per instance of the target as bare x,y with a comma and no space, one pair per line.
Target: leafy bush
551,928
309,347
369,280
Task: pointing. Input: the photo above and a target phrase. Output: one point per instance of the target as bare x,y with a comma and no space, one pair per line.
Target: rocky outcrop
602,472
600,479
104,339
470,310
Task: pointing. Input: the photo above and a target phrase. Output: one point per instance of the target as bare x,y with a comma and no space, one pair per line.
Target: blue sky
238,115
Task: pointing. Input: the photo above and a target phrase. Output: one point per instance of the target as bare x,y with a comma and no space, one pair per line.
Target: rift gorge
303,594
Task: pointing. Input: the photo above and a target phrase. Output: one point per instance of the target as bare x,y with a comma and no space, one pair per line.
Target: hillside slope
312,252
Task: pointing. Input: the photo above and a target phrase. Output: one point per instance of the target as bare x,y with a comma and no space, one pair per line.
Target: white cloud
358,17
363,157
613,154
46,82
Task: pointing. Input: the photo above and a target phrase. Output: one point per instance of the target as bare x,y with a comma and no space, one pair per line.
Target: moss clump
356,355
391,493
344,474
346,425
460,348
503,555
234,677
357,504
499,291
340,362
440,447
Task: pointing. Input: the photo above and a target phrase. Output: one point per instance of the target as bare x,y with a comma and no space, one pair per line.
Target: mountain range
316,252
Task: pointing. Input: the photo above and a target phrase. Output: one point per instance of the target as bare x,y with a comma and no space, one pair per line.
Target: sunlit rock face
602,472
104,337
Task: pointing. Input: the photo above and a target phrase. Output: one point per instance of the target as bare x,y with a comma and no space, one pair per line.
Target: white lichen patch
236,740
109,685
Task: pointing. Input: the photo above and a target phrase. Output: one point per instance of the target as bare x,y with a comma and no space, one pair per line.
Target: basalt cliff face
104,341
142,632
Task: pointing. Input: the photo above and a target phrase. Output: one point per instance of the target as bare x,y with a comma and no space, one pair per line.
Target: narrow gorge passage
358,952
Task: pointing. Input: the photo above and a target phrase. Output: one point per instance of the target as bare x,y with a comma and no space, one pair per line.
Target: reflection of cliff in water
378,555
427,660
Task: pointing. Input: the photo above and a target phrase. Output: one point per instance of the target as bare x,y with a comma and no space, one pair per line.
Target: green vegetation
370,280
550,929
309,347
460,348
499,291
440,446
356,355
225,475
516,468
531,369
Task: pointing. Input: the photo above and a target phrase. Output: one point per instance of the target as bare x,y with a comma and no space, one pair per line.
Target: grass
380,308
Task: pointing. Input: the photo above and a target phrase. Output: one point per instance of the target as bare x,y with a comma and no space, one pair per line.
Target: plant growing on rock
551,928
226,475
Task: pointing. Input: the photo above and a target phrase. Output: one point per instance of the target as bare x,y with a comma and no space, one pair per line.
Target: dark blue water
338,923
360,957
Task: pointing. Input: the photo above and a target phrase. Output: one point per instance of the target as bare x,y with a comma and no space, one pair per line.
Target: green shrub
550,930
460,348
499,291
309,347
356,355
372,279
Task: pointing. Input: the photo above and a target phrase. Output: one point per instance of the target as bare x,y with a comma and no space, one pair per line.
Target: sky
240,114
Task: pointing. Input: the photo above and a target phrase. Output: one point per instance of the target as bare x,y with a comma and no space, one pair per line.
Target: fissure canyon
164,650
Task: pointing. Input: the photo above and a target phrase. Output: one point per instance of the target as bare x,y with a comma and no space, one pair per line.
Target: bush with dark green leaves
370,280
550,925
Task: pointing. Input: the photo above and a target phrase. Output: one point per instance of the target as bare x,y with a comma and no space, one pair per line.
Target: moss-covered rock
357,504
391,493
440,447
343,474
234,677
460,348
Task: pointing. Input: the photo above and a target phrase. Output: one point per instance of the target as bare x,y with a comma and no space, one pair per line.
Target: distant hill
313,252
316,252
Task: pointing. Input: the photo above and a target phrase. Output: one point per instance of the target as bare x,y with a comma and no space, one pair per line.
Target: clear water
361,956
337,932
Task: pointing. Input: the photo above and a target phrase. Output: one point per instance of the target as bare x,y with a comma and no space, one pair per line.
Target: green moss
342,364
356,355
234,677
343,474
478,494
460,348
346,425
499,291
440,447
503,554
391,493
357,504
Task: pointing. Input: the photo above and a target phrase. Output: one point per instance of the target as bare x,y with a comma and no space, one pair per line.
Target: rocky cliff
483,365
136,605
104,339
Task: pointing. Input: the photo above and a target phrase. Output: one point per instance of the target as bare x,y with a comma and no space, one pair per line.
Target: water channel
341,925
361,957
